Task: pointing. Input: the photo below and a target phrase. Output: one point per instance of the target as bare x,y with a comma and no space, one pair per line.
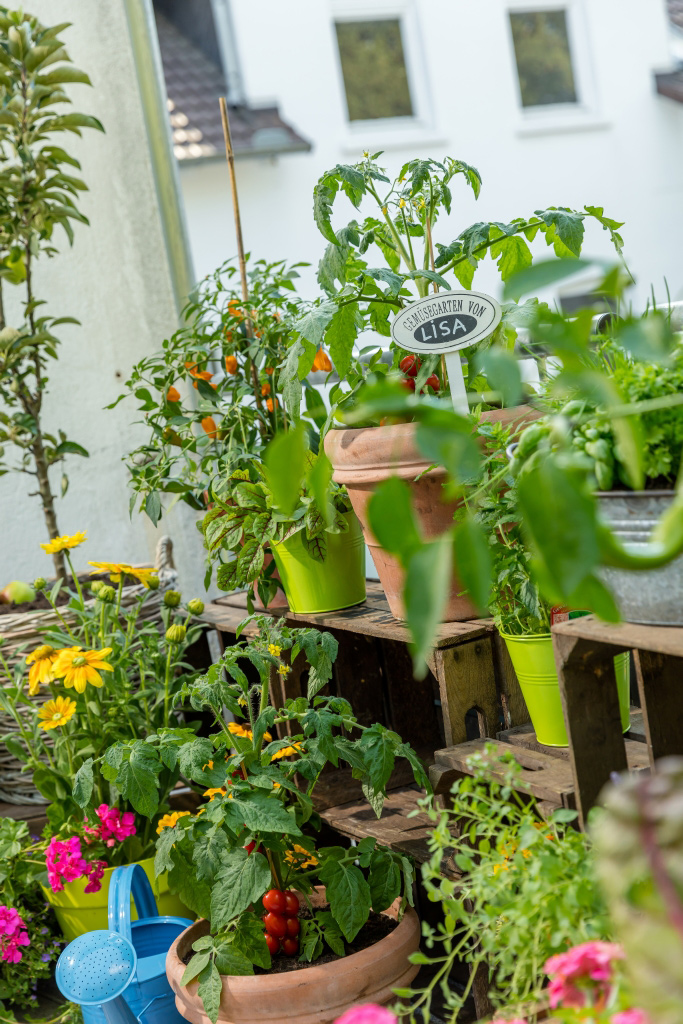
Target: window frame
387,132
550,117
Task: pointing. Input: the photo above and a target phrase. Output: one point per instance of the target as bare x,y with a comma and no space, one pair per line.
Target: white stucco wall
625,154
116,281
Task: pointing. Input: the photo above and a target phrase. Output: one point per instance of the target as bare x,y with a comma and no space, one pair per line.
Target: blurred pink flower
13,934
631,1017
588,967
95,872
369,1013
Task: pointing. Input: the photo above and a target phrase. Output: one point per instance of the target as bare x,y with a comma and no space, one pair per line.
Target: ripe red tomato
408,383
250,846
276,925
433,382
275,900
293,926
291,904
410,365
273,944
290,947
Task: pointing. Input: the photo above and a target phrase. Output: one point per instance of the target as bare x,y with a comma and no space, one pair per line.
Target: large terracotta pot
313,995
363,458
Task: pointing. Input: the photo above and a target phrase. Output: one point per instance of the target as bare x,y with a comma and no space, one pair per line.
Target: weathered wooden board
625,635
660,685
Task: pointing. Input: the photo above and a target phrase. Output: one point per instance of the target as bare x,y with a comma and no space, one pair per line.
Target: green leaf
313,323
378,745
319,479
250,560
427,587
62,75
542,274
210,990
315,546
83,783
341,335
163,861
384,880
565,232
349,896
243,880
250,940
503,374
473,562
195,967
323,197
153,506
260,813
208,854
392,518
512,254
431,275
285,465
230,961
137,779
183,881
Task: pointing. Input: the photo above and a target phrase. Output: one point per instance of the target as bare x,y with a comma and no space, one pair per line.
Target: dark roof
676,12
193,85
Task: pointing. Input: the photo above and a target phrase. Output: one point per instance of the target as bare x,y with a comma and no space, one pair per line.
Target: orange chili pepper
209,426
231,364
322,361
265,389
173,395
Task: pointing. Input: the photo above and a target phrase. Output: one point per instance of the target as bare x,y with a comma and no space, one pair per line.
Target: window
374,69
544,58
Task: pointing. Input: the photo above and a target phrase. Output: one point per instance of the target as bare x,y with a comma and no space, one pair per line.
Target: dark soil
377,927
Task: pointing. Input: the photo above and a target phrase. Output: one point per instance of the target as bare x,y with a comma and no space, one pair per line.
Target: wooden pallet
584,652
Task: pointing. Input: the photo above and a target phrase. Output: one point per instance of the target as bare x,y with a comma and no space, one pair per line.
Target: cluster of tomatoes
281,921
410,366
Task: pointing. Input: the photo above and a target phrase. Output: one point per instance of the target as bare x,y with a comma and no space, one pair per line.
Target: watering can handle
146,1007
124,882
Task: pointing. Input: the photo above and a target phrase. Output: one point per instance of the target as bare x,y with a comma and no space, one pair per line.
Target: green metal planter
534,663
338,582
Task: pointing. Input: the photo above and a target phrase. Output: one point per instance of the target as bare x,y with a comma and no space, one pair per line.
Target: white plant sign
444,323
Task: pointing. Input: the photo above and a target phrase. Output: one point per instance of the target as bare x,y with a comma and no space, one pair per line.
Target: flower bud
39,584
153,583
106,594
195,607
97,586
172,598
175,634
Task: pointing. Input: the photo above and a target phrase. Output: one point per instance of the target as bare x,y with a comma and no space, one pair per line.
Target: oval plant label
446,322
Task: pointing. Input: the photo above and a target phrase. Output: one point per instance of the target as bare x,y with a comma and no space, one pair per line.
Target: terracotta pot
313,995
363,458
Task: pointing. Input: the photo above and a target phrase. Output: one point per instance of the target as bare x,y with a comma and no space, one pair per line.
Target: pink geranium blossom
95,872
585,968
631,1017
114,827
13,934
369,1013
65,862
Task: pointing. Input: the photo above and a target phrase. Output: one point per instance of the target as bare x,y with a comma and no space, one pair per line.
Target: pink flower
12,935
65,862
517,1020
631,1017
588,967
114,827
369,1013
10,921
95,872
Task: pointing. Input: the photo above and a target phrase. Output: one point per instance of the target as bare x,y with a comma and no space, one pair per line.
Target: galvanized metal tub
653,597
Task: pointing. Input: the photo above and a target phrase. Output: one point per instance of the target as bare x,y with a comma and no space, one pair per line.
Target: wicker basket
23,632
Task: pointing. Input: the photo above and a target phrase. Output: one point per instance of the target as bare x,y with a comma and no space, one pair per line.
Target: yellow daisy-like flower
56,712
274,649
169,820
41,671
217,789
286,752
63,543
246,734
117,570
78,667
284,670
300,858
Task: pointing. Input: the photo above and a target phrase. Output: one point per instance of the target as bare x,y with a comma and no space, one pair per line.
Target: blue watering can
119,976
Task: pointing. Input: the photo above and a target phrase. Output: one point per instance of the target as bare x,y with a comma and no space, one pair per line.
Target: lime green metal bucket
534,663
79,912
338,582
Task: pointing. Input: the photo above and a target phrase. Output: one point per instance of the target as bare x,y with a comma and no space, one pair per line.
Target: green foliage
38,195
528,888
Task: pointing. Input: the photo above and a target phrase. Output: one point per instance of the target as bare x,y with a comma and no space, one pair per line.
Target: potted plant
361,297
288,505
39,191
102,677
248,861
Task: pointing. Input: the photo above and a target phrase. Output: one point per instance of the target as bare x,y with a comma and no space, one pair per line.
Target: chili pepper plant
241,859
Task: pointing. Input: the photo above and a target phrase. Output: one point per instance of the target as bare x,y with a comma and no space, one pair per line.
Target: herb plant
257,832
38,190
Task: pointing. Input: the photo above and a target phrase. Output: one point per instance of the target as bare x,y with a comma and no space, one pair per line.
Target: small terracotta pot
363,458
313,995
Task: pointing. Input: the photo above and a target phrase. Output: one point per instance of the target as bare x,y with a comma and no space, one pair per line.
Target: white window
552,66
383,81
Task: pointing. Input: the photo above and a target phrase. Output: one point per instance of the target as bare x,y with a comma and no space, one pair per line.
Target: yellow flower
41,661
217,789
56,712
246,734
63,543
169,820
242,701
286,752
284,670
300,858
116,570
78,667
401,203
274,649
